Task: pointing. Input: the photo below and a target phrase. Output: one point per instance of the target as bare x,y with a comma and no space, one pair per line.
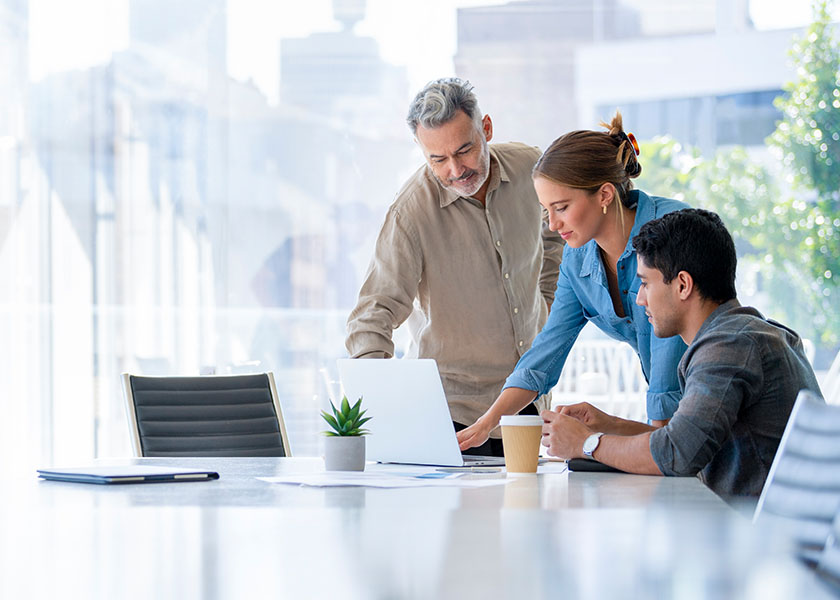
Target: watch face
591,443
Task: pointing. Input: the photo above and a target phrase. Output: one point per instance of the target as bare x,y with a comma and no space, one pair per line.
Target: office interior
194,187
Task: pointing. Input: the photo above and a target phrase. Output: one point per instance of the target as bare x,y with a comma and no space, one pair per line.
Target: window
196,186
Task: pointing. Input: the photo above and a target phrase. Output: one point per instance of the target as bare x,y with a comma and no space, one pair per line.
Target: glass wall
746,119
196,186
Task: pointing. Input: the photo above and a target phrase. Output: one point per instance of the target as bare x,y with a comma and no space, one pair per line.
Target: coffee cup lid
521,421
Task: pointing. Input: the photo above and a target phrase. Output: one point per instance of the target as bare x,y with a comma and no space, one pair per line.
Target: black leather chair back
234,415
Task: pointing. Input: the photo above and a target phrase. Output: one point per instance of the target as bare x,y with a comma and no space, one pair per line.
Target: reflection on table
557,534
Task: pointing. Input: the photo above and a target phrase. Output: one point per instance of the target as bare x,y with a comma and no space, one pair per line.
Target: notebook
410,421
126,474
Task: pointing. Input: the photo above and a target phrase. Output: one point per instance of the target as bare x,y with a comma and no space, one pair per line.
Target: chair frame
626,385
804,397
131,410
831,382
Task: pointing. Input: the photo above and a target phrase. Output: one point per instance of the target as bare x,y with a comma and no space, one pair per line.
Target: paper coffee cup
521,436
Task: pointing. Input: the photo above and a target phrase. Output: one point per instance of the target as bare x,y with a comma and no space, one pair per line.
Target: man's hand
563,435
595,419
476,434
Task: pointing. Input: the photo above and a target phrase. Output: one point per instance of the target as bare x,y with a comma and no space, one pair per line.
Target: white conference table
553,535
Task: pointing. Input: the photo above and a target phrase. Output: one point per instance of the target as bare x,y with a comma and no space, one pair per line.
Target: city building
698,72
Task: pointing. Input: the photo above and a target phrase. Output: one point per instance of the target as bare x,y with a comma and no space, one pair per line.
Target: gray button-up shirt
484,277
740,378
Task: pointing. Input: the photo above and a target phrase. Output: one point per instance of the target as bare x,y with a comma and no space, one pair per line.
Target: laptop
410,421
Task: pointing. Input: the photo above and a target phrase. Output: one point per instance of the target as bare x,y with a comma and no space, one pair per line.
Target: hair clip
632,139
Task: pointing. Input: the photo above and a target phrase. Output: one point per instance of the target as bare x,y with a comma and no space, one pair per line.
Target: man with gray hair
465,238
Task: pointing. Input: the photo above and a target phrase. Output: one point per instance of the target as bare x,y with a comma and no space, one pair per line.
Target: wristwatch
591,443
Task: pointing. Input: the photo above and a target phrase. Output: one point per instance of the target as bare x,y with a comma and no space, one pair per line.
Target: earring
605,209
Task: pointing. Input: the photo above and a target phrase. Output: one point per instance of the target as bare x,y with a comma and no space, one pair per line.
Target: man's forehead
643,269
448,137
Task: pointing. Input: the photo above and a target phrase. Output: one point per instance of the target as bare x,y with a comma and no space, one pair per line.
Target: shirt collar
645,211
716,314
497,175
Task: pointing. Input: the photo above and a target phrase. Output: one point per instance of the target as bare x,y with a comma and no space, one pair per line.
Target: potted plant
344,448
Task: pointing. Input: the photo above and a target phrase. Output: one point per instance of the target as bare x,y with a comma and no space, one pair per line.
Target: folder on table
126,474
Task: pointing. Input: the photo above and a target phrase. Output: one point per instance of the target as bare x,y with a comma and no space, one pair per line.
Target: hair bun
634,168
615,128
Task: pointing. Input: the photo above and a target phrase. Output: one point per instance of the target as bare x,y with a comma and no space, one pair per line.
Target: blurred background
195,186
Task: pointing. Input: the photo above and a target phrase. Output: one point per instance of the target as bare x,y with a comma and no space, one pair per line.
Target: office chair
829,563
802,491
236,415
831,383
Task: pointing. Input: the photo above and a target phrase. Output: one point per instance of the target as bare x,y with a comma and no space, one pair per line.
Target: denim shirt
583,295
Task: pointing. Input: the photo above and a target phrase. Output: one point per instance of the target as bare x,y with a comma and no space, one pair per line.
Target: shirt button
629,322
521,343
621,267
516,311
507,276
624,291
498,242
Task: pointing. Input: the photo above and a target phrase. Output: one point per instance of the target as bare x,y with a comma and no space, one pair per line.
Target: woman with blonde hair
583,181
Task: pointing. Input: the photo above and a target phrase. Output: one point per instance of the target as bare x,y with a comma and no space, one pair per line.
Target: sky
73,35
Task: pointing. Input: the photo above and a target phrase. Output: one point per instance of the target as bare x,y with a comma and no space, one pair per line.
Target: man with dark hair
739,376
466,242
695,241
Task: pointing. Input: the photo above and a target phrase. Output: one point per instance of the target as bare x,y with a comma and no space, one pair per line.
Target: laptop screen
410,419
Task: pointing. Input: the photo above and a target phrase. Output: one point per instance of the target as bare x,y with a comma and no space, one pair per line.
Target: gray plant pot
344,453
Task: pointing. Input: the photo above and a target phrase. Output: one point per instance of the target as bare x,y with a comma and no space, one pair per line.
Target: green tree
785,218
808,142
809,134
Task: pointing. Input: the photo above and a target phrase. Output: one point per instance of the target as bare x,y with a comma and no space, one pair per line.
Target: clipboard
126,474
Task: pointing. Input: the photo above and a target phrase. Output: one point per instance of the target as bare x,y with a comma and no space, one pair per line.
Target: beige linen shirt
484,278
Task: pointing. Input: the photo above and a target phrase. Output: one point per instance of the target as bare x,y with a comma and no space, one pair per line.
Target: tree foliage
783,215
809,134
808,141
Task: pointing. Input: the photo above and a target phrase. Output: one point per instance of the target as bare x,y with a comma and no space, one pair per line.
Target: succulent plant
347,421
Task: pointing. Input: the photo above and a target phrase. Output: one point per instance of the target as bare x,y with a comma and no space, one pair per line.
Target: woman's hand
510,402
476,434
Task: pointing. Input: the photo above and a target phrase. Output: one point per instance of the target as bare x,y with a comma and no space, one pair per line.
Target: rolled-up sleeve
387,294
539,368
720,373
663,395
